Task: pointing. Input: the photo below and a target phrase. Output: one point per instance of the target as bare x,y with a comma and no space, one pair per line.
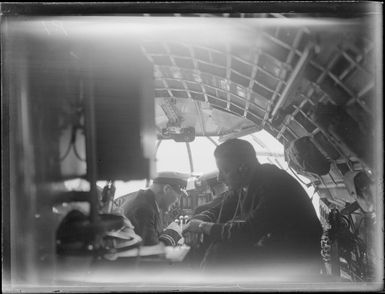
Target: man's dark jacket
141,209
279,224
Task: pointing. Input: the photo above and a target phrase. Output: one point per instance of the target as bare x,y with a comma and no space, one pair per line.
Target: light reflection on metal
258,141
157,146
201,120
190,157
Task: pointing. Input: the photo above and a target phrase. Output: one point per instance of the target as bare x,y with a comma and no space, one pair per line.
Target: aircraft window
179,50
197,96
288,135
179,94
162,93
305,122
217,102
256,108
265,79
236,109
175,84
241,67
194,87
210,90
215,70
184,62
297,128
236,78
202,54
219,59
252,117
162,60
222,94
174,156
159,83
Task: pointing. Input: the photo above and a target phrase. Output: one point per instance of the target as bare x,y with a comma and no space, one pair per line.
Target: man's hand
192,233
192,239
193,226
194,230
198,226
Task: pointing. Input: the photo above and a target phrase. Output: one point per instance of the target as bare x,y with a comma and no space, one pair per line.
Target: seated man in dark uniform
267,219
145,207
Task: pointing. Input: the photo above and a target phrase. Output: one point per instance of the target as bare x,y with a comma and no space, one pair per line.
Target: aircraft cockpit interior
126,142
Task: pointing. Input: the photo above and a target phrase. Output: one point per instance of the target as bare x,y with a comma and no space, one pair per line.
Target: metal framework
254,82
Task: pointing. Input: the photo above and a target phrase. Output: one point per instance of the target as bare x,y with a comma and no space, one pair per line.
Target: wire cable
76,152
66,153
72,145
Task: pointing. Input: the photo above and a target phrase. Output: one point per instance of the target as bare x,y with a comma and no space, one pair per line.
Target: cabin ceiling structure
271,67
268,71
230,75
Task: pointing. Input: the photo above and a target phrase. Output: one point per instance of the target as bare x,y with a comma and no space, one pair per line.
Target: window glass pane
203,155
172,156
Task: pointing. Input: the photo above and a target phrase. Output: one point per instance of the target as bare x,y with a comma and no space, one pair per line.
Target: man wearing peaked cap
176,180
143,208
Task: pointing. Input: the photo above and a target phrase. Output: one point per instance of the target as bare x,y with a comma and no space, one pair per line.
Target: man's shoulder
270,177
134,200
143,198
124,198
270,171
140,204
269,168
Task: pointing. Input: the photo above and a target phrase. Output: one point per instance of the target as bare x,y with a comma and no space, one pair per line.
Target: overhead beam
157,147
200,117
294,78
190,157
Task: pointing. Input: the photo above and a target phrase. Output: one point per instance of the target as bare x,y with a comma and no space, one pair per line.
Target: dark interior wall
48,81
34,91
5,160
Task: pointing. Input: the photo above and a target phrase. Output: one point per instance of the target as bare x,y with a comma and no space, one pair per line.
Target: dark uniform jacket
141,209
143,212
273,222
217,200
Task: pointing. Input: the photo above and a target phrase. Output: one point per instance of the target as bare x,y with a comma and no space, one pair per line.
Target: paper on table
158,249
177,253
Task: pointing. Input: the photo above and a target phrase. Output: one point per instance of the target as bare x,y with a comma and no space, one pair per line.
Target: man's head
236,161
168,187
